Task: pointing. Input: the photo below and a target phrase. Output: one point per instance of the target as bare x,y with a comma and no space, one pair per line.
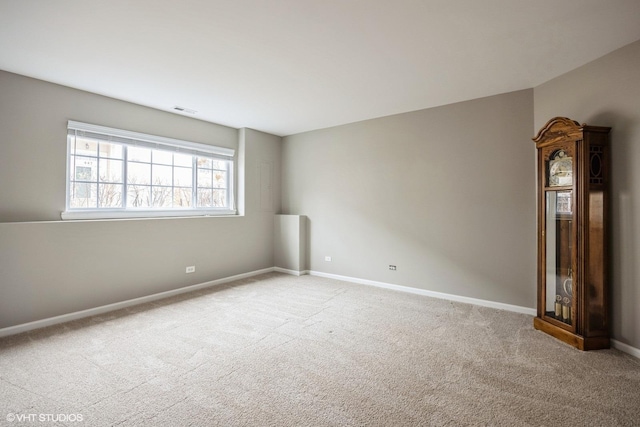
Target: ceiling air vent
184,110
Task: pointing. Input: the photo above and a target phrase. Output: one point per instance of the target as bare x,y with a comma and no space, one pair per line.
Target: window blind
136,139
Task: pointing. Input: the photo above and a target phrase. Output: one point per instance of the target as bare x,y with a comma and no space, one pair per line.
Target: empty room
320,213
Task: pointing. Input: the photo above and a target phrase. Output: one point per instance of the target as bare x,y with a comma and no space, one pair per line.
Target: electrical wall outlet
392,267
327,258
191,269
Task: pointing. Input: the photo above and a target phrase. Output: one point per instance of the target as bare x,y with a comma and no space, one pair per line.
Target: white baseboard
433,294
12,330
626,348
290,272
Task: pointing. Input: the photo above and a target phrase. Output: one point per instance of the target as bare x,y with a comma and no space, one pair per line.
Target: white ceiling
289,66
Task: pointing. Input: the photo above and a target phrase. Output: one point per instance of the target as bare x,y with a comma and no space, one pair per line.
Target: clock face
560,170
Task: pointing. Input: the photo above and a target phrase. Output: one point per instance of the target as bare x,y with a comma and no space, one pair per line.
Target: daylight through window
116,173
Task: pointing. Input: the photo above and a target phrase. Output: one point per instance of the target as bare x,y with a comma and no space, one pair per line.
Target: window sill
121,214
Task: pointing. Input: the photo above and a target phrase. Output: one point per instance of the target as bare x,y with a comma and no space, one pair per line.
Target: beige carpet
280,350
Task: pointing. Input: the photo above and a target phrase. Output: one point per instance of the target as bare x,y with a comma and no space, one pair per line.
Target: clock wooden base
577,341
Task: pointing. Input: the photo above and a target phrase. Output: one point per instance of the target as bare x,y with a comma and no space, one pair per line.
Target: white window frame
136,139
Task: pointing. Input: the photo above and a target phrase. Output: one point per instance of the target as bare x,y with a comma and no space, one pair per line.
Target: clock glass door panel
559,256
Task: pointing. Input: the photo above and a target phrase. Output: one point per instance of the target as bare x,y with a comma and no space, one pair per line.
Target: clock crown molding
562,129
557,129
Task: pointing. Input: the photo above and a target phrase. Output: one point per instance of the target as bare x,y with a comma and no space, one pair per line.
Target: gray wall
446,194
49,267
606,92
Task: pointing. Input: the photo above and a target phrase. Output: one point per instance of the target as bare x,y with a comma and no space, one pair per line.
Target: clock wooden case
573,231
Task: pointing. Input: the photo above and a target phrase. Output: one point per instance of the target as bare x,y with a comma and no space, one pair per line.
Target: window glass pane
205,198
85,147
182,197
110,195
204,163
110,170
162,197
138,173
162,175
112,151
219,164
83,173
83,195
162,157
84,169
204,178
219,179
219,198
138,196
182,177
183,160
139,154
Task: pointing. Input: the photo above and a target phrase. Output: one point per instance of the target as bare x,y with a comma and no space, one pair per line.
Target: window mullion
151,205
98,175
173,172
194,181
229,200
125,166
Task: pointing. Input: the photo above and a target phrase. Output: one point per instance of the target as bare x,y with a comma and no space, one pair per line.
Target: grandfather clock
573,231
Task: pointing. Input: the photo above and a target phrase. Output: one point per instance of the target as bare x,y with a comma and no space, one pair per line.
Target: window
114,173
